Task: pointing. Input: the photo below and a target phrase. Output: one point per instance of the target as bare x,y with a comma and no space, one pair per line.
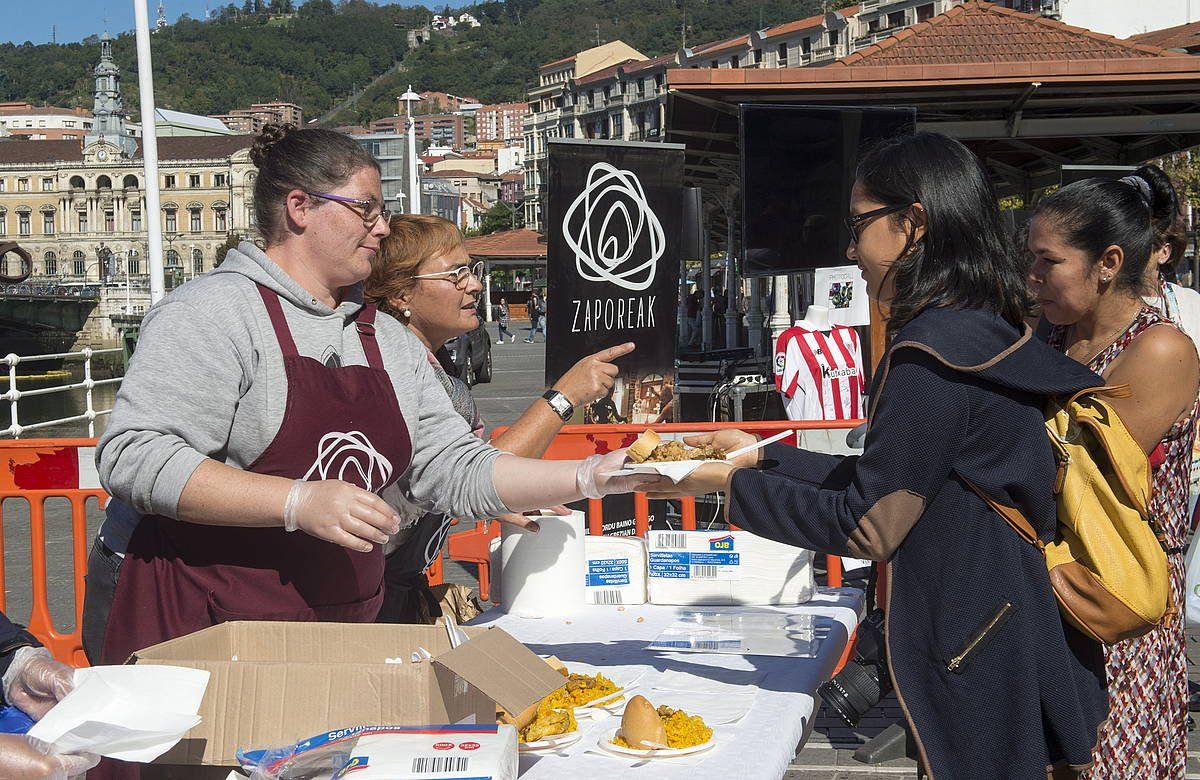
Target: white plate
675,470
607,744
551,743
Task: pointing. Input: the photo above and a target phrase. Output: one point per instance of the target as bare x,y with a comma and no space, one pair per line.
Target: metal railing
15,394
50,290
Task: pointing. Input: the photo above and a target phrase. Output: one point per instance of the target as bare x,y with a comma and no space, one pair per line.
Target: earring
406,313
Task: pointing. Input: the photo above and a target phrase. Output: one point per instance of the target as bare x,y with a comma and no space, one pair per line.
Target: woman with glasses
992,680
423,278
269,407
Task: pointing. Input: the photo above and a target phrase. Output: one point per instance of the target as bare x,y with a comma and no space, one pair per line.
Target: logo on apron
344,455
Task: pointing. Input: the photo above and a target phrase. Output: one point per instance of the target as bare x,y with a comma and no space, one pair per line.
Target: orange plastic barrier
36,470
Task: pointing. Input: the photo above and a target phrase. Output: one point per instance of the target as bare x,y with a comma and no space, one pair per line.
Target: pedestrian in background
537,316
502,322
1091,243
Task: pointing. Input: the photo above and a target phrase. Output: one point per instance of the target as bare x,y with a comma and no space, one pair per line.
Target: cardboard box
275,683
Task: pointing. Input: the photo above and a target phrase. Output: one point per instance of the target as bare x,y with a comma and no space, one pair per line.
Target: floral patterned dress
1146,732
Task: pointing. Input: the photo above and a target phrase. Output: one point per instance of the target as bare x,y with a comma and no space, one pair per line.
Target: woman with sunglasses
268,408
993,682
423,278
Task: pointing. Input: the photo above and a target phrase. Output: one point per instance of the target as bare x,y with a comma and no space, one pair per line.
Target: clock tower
108,123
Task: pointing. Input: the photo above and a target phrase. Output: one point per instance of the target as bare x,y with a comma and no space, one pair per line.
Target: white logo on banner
345,454
604,254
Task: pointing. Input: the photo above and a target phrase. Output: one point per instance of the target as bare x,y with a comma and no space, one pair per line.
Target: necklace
1108,340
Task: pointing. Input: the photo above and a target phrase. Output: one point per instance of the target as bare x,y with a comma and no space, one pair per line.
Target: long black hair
1137,213
965,259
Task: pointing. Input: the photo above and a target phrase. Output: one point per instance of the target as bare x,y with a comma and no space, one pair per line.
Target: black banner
614,224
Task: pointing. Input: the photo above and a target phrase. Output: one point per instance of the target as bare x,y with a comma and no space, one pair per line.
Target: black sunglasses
855,222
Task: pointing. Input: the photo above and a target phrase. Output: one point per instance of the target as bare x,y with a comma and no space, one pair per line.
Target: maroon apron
179,577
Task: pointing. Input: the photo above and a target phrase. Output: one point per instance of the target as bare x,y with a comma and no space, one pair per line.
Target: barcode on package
608,597
670,542
436,764
704,572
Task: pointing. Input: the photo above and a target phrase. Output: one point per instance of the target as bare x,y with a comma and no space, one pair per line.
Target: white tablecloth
760,745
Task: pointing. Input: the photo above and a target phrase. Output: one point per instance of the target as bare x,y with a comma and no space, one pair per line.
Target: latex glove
22,758
35,682
595,476
592,377
341,513
730,439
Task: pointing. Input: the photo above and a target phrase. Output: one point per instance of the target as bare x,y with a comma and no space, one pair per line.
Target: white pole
414,187
149,152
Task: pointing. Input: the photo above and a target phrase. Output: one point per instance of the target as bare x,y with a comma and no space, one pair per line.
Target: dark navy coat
991,691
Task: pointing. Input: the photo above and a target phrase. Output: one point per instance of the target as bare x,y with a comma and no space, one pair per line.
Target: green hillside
327,52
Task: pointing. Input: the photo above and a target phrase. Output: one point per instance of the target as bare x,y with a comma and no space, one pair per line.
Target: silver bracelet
289,507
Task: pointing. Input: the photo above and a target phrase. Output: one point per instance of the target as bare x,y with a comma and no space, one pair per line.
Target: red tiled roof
202,147
507,243
603,73
712,48
558,62
804,24
640,65
23,108
513,176
1185,36
983,32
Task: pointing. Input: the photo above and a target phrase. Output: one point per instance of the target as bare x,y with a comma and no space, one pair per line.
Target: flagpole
149,151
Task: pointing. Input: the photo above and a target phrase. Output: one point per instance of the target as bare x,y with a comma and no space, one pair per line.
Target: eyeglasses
459,276
856,222
371,211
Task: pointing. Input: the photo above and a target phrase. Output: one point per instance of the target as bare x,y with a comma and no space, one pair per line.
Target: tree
502,216
248,7
318,8
231,242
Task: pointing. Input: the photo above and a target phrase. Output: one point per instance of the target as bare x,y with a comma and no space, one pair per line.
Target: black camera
852,692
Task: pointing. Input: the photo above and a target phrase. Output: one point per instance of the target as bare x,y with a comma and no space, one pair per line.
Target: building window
48,222
758,56
924,12
806,45
873,25
194,181
782,55
618,125
714,64
833,37
47,184
733,61
134,264
78,264
83,222
194,220
171,223
896,19
51,262
220,180
197,262
135,221
3,222
110,222
170,181
22,185
23,226
2,185
173,259
221,222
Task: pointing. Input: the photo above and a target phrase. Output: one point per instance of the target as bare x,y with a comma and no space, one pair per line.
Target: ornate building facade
80,209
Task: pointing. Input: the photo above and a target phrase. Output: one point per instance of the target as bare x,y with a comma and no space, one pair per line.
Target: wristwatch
561,405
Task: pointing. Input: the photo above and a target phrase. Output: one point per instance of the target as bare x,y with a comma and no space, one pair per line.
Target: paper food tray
675,470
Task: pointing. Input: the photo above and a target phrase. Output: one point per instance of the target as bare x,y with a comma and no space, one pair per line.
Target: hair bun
1159,194
266,141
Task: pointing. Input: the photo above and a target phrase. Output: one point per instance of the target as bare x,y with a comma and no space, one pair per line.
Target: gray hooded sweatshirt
207,381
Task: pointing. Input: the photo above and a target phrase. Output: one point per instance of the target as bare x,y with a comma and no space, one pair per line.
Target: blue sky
30,20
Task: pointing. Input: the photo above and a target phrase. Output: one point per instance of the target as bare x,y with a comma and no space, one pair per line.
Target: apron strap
282,333
365,321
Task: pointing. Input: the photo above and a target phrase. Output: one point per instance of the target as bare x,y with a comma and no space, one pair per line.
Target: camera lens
852,692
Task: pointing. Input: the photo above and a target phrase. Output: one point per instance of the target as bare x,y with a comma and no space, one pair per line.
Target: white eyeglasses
459,276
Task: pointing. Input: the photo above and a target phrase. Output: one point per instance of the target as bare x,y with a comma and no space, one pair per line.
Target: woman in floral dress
1091,242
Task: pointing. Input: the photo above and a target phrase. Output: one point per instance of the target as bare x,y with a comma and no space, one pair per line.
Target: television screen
798,167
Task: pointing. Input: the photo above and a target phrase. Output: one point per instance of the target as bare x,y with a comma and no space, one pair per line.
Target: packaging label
694,565
607,572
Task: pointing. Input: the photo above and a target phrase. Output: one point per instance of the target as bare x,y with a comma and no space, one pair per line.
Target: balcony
873,38
823,54
644,97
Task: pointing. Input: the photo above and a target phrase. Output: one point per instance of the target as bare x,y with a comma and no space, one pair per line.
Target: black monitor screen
798,167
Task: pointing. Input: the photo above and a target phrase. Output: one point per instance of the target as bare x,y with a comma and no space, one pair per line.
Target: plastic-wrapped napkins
130,713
